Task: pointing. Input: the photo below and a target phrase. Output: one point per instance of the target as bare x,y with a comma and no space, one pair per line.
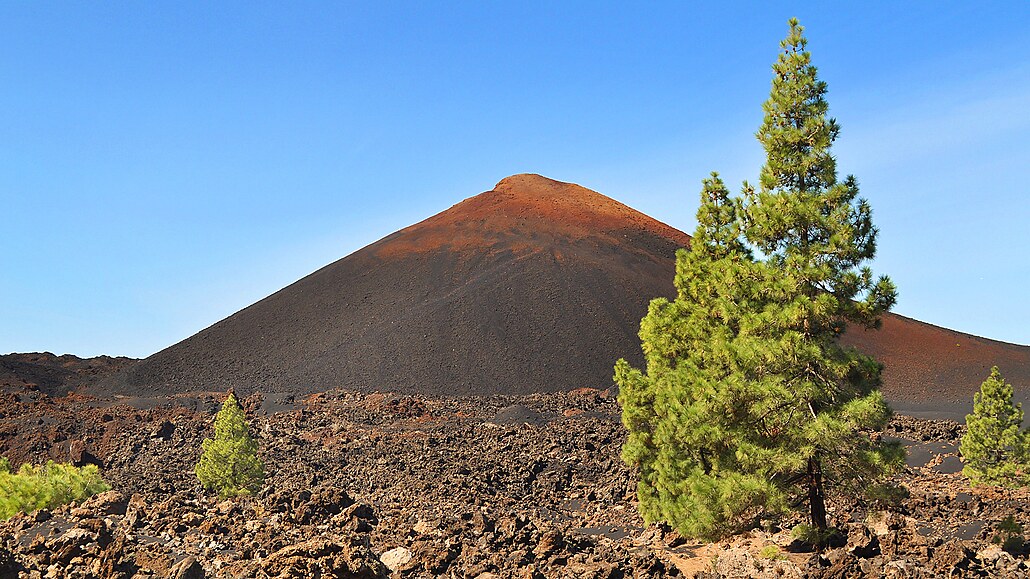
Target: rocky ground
378,485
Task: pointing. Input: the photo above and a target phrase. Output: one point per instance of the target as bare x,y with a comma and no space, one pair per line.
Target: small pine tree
229,464
994,447
46,487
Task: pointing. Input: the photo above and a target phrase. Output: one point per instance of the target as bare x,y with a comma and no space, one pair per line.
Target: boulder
107,503
188,568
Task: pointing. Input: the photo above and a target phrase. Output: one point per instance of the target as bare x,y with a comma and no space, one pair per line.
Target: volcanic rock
188,568
107,503
396,559
463,497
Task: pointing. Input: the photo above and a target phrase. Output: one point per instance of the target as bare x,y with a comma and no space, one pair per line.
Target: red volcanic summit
531,214
534,286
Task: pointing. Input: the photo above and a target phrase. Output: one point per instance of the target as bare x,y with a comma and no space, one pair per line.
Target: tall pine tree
748,404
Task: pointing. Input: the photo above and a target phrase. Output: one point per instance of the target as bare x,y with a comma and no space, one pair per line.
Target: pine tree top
814,229
994,400
718,232
231,422
795,132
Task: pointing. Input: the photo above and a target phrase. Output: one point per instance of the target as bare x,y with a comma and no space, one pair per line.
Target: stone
862,543
551,542
425,528
188,568
396,559
883,522
8,566
163,430
107,503
324,558
79,455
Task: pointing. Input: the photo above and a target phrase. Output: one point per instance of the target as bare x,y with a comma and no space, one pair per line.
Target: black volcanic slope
534,286
55,375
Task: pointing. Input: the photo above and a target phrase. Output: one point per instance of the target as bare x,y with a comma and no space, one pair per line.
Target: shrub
46,487
229,464
816,537
771,552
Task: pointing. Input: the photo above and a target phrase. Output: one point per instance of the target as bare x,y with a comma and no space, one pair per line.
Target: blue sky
163,165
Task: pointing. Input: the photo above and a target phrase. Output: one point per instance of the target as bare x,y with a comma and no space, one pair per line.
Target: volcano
534,286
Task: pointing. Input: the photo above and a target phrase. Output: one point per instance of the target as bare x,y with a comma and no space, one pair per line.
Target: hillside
933,372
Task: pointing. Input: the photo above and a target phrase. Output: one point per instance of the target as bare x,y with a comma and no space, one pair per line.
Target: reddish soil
520,206
534,286
933,372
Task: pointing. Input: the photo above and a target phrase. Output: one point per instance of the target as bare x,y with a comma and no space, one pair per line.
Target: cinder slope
534,286
932,371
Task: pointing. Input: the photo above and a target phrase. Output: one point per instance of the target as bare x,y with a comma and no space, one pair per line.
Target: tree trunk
816,498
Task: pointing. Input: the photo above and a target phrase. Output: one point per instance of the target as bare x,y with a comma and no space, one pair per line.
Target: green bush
230,464
45,487
816,537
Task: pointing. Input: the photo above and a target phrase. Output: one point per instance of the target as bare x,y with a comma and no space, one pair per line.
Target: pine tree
816,233
994,447
682,430
46,487
229,464
749,405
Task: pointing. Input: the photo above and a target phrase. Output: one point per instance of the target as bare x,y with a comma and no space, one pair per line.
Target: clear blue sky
165,164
